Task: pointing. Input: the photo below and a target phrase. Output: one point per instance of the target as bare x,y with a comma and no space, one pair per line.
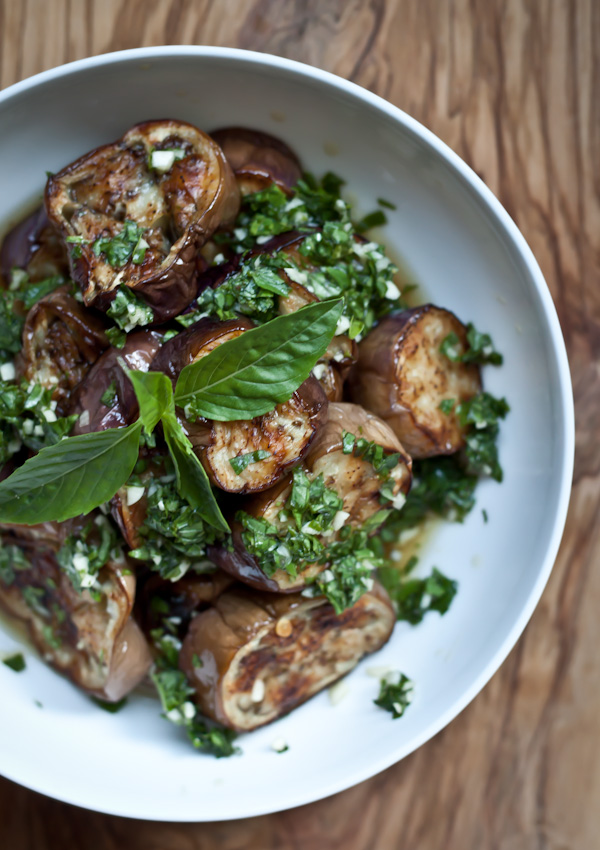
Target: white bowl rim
514,235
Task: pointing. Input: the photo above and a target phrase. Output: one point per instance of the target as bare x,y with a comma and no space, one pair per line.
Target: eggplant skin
138,352
402,376
258,160
96,643
286,432
35,246
179,210
353,478
262,655
61,341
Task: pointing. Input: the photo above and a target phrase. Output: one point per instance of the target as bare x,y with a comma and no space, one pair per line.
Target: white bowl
461,245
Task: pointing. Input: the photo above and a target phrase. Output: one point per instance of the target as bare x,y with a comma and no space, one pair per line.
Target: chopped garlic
84,419
258,691
319,371
338,692
339,520
163,160
279,745
7,372
49,415
296,275
342,326
392,292
134,494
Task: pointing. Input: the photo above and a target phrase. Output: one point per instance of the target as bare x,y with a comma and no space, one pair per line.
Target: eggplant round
403,376
353,478
35,246
94,413
61,342
91,639
262,655
258,160
286,432
177,208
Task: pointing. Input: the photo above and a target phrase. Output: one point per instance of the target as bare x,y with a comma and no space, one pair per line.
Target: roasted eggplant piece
261,655
90,638
61,341
285,433
351,475
35,246
166,187
403,377
258,160
106,378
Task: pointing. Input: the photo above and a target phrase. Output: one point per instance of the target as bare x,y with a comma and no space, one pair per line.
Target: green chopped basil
128,244
15,662
110,707
242,462
395,694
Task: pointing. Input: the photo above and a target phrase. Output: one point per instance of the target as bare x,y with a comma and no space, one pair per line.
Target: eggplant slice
352,477
402,376
35,246
261,655
96,414
286,433
61,341
168,178
258,160
91,639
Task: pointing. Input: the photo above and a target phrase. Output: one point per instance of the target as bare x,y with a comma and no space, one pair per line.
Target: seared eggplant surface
255,656
79,619
137,211
403,376
218,418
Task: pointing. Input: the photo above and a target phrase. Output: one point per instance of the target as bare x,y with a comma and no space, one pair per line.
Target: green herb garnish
480,348
129,311
128,244
15,662
242,462
483,412
375,219
395,694
109,396
414,597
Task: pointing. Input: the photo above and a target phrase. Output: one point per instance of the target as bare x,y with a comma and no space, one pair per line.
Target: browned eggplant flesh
253,657
136,212
403,376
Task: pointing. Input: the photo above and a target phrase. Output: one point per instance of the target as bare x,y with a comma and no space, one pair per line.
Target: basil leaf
70,478
242,462
192,480
154,393
252,373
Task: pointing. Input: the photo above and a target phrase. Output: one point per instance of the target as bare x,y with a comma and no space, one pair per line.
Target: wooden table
514,87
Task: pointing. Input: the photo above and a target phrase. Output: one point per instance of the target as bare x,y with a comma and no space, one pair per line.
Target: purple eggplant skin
138,353
61,341
34,245
196,341
258,159
178,210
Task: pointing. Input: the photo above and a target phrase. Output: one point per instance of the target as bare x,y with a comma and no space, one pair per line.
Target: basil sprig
70,478
246,377
155,397
252,373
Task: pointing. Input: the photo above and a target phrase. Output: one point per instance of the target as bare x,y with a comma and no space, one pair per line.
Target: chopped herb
349,572
414,597
82,557
484,514
38,703
174,535
447,405
76,242
483,413
241,462
126,245
12,559
111,707
480,348
374,219
116,337
15,662
129,310
109,396
383,203
395,694
21,295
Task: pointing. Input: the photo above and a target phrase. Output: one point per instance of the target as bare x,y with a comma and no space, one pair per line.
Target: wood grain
514,87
